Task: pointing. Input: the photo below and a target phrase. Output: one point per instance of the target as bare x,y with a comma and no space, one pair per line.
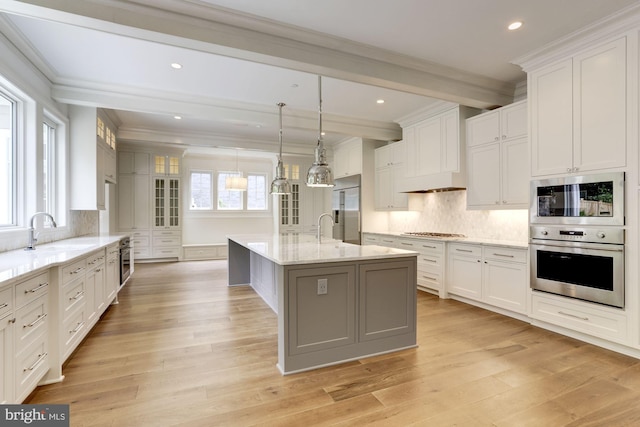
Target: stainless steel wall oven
579,262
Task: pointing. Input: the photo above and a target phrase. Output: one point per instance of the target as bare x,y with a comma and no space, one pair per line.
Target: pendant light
236,182
319,174
280,185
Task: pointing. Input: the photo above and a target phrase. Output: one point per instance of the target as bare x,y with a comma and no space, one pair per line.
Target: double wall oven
577,237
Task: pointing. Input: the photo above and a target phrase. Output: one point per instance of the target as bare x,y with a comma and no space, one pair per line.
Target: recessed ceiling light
515,25
177,117
176,66
322,133
380,101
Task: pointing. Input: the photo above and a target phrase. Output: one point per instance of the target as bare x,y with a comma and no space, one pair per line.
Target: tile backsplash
79,223
447,212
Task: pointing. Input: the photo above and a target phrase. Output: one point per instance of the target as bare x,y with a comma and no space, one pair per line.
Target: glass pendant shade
280,185
319,174
236,183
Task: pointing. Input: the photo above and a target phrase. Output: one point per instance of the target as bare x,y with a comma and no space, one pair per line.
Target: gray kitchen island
335,301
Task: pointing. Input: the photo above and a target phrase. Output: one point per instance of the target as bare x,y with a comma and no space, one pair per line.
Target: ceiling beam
220,31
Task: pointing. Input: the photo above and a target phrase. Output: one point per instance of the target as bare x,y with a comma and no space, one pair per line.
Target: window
256,192
228,200
49,184
8,161
201,191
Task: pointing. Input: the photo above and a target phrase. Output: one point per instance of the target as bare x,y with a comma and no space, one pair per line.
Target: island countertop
294,248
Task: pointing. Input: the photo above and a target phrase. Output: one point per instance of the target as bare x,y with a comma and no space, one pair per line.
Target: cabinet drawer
140,234
31,289
166,252
410,245
6,301
73,329
140,253
596,321
95,259
429,279
31,365
73,295
73,271
140,242
166,241
31,322
430,247
388,241
466,250
430,262
505,254
371,239
205,252
167,233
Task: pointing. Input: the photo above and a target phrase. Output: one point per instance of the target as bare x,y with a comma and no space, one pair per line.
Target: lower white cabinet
593,319
31,335
494,275
112,274
6,352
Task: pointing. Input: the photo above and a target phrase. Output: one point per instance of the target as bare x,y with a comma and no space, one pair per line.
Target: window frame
212,198
15,179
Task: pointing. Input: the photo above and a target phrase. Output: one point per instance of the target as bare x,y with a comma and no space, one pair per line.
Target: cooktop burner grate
432,234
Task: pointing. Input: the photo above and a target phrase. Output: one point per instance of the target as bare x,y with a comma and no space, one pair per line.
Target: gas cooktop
432,234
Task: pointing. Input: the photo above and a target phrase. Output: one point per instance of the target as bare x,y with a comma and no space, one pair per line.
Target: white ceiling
93,48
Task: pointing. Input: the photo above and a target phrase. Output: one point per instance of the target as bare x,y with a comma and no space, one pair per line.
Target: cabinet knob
497,138
569,169
601,235
504,202
504,136
497,202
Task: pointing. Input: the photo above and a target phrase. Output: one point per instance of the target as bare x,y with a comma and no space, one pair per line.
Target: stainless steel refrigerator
346,209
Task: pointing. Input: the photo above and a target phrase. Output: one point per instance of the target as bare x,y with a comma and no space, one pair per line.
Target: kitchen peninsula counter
335,301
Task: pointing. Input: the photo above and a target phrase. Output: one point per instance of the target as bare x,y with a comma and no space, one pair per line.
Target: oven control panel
613,235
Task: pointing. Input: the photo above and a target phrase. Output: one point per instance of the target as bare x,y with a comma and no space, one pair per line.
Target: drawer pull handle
504,255
464,250
429,247
4,305
77,270
98,270
32,367
12,320
77,328
37,288
429,260
387,241
113,261
586,319
76,296
35,322
407,244
429,278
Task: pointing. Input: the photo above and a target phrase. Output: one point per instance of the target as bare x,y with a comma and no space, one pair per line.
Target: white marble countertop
471,240
291,249
17,263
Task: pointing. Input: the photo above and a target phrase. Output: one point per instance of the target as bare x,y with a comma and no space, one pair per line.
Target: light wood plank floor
182,348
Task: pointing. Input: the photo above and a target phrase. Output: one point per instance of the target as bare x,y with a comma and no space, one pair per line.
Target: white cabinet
134,199
95,281
92,161
31,344
494,275
578,112
347,158
7,326
112,273
298,212
389,165
435,156
430,263
497,156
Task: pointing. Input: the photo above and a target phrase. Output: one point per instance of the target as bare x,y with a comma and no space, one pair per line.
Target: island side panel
328,320
239,264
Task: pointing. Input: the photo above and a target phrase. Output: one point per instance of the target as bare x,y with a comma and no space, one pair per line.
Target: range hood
442,181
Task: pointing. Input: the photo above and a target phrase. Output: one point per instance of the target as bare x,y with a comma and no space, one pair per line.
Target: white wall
447,213
206,227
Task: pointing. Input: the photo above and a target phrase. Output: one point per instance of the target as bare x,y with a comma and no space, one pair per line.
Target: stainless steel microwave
596,199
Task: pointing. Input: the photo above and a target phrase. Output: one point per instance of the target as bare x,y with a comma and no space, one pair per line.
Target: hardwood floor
182,348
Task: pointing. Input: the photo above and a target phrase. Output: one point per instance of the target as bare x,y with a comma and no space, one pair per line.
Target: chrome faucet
320,227
32,229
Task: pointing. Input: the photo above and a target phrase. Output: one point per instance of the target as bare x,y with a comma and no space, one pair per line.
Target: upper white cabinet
92,157
347,158
166,165
497,159
435,158
578,112
389,164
